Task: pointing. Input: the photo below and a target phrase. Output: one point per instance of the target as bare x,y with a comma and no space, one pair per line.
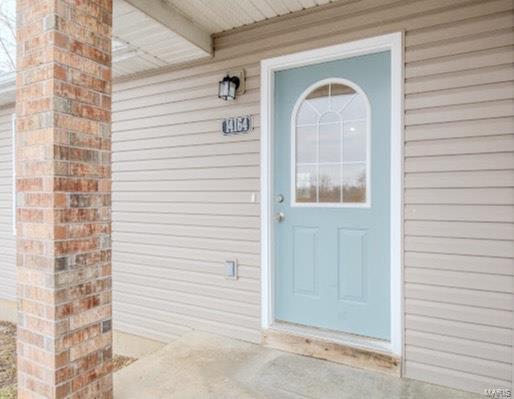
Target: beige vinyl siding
459,182
182,191
7,238
181,206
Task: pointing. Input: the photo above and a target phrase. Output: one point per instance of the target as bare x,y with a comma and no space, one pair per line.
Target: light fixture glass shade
227,87
223,89
232,90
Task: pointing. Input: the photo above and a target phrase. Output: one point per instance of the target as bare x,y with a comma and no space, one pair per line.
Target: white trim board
167,15
13,146
394,43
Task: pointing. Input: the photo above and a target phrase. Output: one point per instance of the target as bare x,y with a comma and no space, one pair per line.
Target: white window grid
294,126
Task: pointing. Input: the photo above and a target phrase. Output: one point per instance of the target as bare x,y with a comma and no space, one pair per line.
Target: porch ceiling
150,34
146,39
141,43
220,15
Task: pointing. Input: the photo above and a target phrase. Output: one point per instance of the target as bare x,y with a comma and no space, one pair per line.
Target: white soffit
142,43
222,15
149,34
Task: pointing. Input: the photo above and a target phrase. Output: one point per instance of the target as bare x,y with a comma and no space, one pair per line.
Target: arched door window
330,129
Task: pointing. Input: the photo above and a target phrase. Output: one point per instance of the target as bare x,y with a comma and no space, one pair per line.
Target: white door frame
394,43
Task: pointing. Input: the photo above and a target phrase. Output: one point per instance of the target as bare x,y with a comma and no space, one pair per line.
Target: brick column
63,168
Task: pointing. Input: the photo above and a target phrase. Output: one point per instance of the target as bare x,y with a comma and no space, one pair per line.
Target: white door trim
394,43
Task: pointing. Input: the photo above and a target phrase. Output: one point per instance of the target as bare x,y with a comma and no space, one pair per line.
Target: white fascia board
174,20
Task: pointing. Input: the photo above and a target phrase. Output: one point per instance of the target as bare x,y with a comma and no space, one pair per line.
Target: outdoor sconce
232,85
227,87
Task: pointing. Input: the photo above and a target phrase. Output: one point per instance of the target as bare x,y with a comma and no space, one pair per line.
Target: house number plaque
236,125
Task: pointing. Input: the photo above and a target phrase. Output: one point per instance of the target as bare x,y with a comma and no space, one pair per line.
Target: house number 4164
236,125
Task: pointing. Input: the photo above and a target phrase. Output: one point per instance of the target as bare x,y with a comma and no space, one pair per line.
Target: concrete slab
204,366
134,346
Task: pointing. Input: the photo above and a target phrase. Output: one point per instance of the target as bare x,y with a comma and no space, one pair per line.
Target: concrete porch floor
205,366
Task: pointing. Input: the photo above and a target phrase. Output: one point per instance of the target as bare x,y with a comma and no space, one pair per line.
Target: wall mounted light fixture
227,87
232,85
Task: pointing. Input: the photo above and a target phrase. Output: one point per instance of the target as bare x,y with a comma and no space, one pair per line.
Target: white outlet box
231,269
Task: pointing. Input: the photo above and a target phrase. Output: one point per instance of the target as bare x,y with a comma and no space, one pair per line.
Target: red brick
63,170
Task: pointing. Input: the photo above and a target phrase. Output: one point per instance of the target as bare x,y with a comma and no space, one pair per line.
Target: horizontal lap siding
181,207
182,192
7,239
459,190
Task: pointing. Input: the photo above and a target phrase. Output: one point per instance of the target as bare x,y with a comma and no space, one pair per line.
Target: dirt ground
8,361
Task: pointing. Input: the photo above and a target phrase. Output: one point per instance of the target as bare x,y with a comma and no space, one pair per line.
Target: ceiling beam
174,20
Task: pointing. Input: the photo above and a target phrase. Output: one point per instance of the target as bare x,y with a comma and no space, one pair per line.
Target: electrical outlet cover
231,269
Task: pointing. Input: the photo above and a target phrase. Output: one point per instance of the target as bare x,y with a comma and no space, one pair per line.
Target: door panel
351,264
331,164
305,261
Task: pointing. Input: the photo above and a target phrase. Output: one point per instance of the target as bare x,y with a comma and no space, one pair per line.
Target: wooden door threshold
333,347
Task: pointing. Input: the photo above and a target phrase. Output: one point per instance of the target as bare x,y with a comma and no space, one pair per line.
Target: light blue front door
332,195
